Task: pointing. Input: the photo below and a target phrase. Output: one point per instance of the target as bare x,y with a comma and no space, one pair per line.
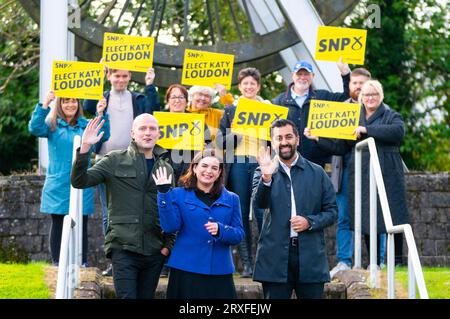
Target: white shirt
120,113
293,207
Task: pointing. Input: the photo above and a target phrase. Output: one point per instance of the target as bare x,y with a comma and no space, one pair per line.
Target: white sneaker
340,266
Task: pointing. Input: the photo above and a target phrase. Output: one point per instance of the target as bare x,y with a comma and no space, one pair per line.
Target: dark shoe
164,272
247,272
108,272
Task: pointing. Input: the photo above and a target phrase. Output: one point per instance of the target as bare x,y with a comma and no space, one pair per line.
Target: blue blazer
195,250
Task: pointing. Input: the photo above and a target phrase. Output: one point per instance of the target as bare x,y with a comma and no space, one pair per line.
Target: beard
303,86
288,154
355,94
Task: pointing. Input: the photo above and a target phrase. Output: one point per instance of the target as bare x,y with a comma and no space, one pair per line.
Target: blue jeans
101,188
383,238
240,181
344,236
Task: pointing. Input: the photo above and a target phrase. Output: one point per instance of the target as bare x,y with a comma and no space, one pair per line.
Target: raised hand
222,90
267,165
101,105
150,76
48,99
309,136
161,177
343,67
91,134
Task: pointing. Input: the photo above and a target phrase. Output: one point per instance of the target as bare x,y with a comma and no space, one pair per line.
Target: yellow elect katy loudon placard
334,42
333,119
127,52
207,68
253,118
81,80
181,131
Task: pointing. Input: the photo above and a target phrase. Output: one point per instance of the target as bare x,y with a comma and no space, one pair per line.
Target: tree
19,60
408,54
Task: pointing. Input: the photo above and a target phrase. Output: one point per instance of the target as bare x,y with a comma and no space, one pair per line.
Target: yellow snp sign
254,118
333,119
334,42
81,80
181,131
127,52
207,68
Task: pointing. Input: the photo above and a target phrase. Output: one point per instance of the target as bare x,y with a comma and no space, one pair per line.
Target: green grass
23,281
437,281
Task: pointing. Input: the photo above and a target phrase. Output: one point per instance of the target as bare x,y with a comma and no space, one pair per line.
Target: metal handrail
415,274
70,256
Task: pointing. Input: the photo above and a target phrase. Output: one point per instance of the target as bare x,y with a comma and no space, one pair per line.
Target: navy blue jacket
147,103
315,199
299,116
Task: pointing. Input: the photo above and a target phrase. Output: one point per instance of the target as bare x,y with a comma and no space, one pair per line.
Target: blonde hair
198,88
57,112
376,85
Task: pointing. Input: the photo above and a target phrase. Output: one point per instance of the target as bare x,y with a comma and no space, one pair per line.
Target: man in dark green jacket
134,239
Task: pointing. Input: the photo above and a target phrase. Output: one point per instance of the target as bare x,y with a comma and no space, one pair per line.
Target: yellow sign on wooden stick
253,118
334,42
127,52
181,131
333,119
81,80
207,68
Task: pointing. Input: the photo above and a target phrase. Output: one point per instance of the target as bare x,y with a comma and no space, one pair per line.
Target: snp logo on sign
333,43
182,131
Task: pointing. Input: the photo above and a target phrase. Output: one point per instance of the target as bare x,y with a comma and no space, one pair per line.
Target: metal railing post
415,274
411,279
357,208
391,266
71,241
373,227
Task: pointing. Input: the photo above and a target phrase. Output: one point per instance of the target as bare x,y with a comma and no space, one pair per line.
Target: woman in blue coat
208,220
60,125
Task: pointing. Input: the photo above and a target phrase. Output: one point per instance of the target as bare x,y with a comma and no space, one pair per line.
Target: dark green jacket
133,219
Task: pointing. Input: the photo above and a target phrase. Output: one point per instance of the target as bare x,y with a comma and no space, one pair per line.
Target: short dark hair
283,123
253,72
189,180
361,71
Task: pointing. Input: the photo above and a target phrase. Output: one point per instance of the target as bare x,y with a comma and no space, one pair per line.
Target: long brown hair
189,180
57,112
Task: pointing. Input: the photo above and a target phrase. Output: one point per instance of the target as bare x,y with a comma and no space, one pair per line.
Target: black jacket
315,200
388,129
299,116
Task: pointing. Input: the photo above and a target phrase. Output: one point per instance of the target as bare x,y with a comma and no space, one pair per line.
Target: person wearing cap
297,99
201,98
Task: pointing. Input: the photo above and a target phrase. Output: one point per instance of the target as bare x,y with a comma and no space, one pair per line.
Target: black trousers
398,243
275,290
56,234
135,276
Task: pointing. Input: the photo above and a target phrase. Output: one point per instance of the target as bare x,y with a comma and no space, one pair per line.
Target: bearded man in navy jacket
300,203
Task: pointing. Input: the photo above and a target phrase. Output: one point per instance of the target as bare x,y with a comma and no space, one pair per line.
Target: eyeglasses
181,97
371,95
